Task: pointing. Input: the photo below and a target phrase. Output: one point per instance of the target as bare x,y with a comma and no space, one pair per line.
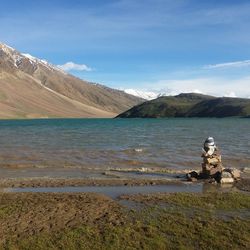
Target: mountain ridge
31,87
190,105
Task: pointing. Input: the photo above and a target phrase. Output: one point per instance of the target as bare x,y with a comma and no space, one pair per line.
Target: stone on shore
235,173
226,180
226,174
192,176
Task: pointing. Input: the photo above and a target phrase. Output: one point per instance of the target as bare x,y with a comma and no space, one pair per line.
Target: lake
75,147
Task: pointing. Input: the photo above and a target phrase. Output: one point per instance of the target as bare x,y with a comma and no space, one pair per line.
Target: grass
9,210
225,201
166,221
165,231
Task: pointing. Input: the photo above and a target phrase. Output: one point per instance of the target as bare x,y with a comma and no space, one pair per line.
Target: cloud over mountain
74,66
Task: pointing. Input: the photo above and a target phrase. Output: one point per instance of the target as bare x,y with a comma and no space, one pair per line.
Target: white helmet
209,142
209,146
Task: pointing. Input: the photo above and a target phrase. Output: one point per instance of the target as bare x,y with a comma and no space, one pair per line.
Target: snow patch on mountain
148,95
18,58
34,60
153,94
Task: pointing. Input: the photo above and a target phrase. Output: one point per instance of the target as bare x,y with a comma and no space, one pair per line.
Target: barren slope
33,88
24,97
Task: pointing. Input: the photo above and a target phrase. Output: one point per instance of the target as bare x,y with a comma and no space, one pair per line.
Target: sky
159,46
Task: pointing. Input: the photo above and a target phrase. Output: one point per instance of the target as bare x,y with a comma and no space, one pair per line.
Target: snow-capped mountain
31,87
20,59
150,95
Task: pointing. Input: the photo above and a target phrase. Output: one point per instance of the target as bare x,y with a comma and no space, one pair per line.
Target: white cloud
236,64
74,66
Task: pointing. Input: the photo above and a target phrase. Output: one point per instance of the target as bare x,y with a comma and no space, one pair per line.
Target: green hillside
190,105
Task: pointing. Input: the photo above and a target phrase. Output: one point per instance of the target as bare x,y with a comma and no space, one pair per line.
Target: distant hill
190,105
33,88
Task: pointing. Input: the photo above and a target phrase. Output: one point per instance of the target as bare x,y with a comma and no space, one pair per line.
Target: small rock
193,174
226,174
227,180
138,149
212,180
235,173
246,170
213,160
193,179
143,169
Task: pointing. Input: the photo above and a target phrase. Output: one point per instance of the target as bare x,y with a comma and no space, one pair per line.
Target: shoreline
108,177
78,182
241,185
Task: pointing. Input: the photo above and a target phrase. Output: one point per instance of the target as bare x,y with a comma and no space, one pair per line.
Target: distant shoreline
116,118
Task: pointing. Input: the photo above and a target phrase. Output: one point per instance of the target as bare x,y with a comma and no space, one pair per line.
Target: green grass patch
165,231
226,201
154,226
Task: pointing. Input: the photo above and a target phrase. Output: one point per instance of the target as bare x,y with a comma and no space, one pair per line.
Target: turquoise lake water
78,144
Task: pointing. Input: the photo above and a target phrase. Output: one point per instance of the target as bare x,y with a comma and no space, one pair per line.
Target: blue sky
149,45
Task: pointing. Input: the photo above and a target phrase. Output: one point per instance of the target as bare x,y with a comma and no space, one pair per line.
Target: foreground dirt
23,215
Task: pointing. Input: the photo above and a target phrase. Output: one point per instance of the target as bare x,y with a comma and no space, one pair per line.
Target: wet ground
23,214
111,191
215,220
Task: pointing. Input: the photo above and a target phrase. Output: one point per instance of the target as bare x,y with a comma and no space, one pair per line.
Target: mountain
221,107
147,95
34,88
190,105
150,95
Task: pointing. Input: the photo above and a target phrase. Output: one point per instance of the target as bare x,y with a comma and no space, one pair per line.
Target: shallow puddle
112,191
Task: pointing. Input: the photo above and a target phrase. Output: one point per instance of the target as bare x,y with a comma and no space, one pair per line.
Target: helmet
209,142
209,146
